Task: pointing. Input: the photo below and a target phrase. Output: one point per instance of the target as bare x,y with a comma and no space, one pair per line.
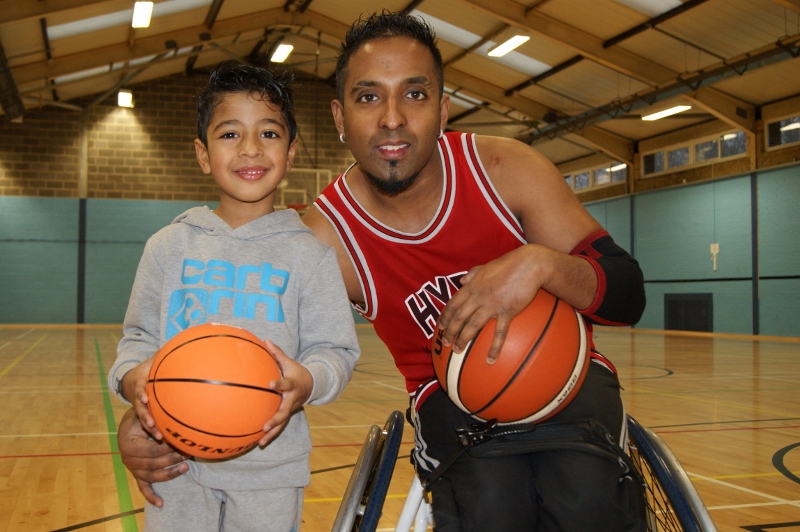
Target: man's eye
416,95
368,98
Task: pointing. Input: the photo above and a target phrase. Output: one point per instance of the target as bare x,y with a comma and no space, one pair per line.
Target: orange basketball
209,393
539,370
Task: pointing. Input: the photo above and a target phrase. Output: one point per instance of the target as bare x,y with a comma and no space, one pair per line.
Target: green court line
123,492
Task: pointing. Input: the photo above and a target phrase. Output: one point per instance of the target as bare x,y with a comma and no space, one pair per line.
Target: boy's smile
248,154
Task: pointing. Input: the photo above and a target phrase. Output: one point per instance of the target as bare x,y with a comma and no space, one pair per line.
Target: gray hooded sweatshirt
271,277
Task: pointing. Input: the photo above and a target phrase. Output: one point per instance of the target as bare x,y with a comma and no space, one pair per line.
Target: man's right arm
146,459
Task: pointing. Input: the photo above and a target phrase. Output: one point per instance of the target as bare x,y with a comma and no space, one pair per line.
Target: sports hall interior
705,200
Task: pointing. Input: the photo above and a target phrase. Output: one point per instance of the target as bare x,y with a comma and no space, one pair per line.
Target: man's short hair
231,77
383,25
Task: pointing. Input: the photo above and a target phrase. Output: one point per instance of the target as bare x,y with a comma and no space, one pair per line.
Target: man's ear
444,111
202,156
338,115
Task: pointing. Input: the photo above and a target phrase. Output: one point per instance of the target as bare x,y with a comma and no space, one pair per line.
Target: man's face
391,113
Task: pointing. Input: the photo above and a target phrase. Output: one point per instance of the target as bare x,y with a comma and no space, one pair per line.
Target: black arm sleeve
620,298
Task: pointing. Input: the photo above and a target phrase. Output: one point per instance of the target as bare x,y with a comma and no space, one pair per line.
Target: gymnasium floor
728,406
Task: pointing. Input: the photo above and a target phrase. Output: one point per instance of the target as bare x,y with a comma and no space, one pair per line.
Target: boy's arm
128,375
328,346
327,350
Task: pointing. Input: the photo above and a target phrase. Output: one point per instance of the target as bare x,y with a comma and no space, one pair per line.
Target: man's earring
341,138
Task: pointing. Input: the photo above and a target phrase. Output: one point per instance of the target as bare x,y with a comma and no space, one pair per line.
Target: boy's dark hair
380,26
232,77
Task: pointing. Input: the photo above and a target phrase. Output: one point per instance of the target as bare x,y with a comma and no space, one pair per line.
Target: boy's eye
229,135
269,135
417,95
367,98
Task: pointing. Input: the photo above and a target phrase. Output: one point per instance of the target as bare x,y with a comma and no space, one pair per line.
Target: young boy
205,267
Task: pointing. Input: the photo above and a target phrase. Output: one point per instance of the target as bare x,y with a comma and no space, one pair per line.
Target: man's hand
500,289
148,460
296,387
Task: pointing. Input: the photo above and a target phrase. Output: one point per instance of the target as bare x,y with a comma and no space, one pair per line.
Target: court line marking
23,355
120,476
746,490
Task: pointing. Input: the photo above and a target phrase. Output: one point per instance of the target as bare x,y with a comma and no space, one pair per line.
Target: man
450,230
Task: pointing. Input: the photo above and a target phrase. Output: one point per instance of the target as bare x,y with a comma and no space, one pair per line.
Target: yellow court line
23,355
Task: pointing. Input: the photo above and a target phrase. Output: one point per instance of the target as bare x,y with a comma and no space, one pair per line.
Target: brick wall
146,152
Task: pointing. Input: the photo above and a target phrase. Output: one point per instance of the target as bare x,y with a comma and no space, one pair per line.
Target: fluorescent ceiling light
789,127
667,112
281,53
125,98
618,167
141,14
729,136
509,45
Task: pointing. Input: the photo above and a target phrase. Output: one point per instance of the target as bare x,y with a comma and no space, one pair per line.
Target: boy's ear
202,156
291,154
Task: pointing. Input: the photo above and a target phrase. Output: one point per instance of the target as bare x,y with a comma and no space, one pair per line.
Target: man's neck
409,211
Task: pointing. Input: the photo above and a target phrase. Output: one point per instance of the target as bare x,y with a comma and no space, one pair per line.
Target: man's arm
325,232
147,460
554,222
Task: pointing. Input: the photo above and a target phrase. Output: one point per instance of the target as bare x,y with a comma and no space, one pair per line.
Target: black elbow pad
620,298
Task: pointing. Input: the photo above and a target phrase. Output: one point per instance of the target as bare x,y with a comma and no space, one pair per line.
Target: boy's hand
134,390
296,387
147,460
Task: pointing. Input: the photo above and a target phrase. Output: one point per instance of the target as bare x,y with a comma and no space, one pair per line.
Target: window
582,180
733,144
704,151
678,158
602,176
598,176
700,152
654,163
783,132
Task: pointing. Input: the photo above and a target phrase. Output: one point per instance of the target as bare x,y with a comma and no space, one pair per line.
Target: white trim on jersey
446,161
516,228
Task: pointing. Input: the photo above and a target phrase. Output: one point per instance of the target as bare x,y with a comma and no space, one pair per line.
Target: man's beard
392,186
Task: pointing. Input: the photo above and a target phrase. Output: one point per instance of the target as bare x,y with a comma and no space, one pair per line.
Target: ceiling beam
579,41
143,47
733,111
610,144
19,10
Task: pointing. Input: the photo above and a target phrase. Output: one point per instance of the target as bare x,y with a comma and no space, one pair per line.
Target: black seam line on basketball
219,335
216,383
524,362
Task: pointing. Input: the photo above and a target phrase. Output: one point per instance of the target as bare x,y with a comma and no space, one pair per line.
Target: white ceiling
575,90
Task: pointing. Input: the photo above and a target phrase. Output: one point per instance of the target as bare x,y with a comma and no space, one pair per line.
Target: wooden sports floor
728,406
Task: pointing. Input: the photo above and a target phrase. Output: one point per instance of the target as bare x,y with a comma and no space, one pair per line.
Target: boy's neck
242,213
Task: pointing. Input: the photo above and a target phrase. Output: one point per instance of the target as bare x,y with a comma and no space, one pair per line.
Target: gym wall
68,257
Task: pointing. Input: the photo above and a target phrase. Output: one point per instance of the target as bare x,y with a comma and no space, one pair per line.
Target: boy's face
391,112
248,151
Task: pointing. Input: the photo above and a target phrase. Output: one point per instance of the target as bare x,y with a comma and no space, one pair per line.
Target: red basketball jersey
406,278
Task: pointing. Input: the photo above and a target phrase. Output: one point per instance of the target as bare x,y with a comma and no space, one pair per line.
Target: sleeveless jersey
407,278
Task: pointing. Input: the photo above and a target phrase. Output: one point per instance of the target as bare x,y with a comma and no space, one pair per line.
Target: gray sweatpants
190,506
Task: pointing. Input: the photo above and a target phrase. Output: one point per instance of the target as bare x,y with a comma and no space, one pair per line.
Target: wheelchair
673,503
